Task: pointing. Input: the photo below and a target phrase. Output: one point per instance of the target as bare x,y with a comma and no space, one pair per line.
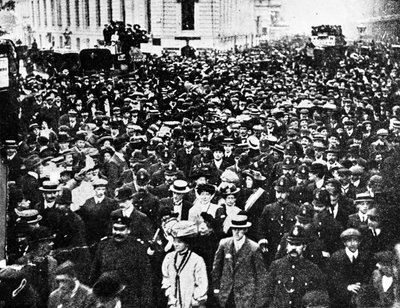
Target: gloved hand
207,217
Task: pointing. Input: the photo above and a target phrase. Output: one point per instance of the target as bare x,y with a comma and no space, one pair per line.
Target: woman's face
107,157
230,200
179,245
249,182
205,196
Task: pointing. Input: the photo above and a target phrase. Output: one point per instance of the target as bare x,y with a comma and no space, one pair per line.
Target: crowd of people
207,182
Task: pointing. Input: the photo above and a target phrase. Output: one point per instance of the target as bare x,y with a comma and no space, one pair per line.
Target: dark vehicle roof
60,61
95,59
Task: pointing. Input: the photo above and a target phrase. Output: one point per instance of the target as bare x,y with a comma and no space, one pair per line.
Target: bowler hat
108,285
65,197
123,193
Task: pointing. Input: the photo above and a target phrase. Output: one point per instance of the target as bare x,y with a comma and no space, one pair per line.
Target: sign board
322,41
4,73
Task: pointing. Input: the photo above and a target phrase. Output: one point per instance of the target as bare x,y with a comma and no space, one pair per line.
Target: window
264,31
109,10
87,15
187,14
45,12
77,19
38,12
148,12
123,13
78,43
61,41
59,13
68,12
98,14
53,13
33,14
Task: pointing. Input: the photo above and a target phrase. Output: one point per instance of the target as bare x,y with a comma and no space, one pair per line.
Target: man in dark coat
278,217
30,181
47,207
71,292
116,165
70,230
143,200
96,211
127,256
185,155
14,161
350,269
292,276
238,270
177,203
141,227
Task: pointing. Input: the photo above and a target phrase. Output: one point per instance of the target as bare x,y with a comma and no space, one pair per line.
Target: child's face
363,206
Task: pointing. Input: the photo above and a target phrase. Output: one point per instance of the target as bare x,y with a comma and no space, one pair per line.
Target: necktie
354,259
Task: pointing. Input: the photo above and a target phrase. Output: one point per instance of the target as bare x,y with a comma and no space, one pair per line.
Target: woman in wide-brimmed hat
229,194
255,198
184,272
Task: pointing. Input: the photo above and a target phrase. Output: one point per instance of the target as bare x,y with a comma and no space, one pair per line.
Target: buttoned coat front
242,272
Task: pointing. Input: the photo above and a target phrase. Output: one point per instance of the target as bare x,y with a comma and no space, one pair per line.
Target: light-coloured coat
193,282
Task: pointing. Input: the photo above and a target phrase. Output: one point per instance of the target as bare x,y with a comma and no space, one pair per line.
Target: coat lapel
230,255
242,254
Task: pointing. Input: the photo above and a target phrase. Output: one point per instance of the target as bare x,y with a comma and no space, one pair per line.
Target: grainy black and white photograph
199,153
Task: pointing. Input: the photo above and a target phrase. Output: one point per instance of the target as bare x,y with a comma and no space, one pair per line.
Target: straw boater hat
240,221
30,216
49,186
180,187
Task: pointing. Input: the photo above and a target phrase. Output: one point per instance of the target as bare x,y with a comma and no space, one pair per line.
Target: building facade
219,24
268,18
384,20
52,22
